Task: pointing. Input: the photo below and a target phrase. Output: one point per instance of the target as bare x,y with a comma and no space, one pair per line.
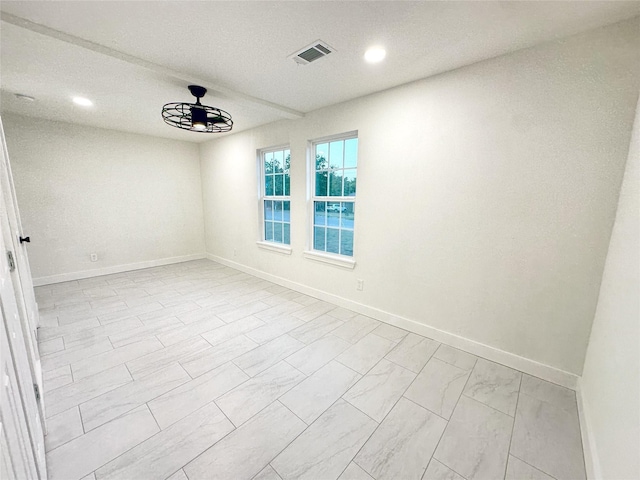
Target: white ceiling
132,57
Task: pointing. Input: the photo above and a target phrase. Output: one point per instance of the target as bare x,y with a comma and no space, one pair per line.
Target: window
334,194
276,200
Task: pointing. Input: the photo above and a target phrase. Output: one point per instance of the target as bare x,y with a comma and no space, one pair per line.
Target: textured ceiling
132,57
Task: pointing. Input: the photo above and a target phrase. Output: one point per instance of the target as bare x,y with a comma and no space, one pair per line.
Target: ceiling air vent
311,53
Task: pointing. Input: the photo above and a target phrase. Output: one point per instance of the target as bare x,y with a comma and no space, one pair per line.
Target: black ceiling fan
197,117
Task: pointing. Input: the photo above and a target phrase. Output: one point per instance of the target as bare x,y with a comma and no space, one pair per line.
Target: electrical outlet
235,252
94,257
360,286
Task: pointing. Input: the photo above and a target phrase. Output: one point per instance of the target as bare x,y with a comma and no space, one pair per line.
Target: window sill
336,260
275,247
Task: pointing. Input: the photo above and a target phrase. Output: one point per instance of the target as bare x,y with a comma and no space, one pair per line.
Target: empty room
354,240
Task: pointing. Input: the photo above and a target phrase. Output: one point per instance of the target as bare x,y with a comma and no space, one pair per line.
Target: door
21,413
19,459
21,428
21,276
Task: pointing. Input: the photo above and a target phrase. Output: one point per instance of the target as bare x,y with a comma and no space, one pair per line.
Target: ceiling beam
283,111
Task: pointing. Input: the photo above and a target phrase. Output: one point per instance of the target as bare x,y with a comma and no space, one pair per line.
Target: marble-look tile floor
199,371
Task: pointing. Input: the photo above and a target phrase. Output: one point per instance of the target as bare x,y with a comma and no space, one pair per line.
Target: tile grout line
308,426
73,379
301,372
430,411
532,466
417,374
47,452
150,411
513,425
105,393
463,389
486,405
433,456
449,363
452,414
387,414
235,428
134,446
247,380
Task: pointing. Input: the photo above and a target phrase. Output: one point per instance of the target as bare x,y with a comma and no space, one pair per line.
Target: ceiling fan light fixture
196,117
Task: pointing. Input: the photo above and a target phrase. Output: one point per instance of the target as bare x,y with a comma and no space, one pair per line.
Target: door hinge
36,390
12,262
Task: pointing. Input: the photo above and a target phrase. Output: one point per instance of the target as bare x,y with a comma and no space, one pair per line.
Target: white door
21,276
21,413
22,434
18,458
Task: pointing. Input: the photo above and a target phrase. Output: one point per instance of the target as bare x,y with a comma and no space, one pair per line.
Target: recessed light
375,54
26,98
84,102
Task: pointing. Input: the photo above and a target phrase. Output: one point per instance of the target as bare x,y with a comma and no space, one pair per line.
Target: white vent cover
311,53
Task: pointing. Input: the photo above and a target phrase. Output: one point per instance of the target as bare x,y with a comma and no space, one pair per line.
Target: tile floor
198,371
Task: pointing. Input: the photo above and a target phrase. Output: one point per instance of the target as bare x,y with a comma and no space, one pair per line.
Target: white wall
610,382
131,199
486,195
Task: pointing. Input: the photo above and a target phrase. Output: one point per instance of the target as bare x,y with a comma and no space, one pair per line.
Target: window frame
262,242
311,253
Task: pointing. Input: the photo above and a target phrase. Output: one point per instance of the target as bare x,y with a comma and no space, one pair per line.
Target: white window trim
330,258
310,253
262,243
275,247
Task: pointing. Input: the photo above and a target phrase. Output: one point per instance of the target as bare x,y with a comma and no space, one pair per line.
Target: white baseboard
591,460
540,370
67,277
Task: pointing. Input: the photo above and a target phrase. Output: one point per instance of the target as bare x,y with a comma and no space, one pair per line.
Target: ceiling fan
197,117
